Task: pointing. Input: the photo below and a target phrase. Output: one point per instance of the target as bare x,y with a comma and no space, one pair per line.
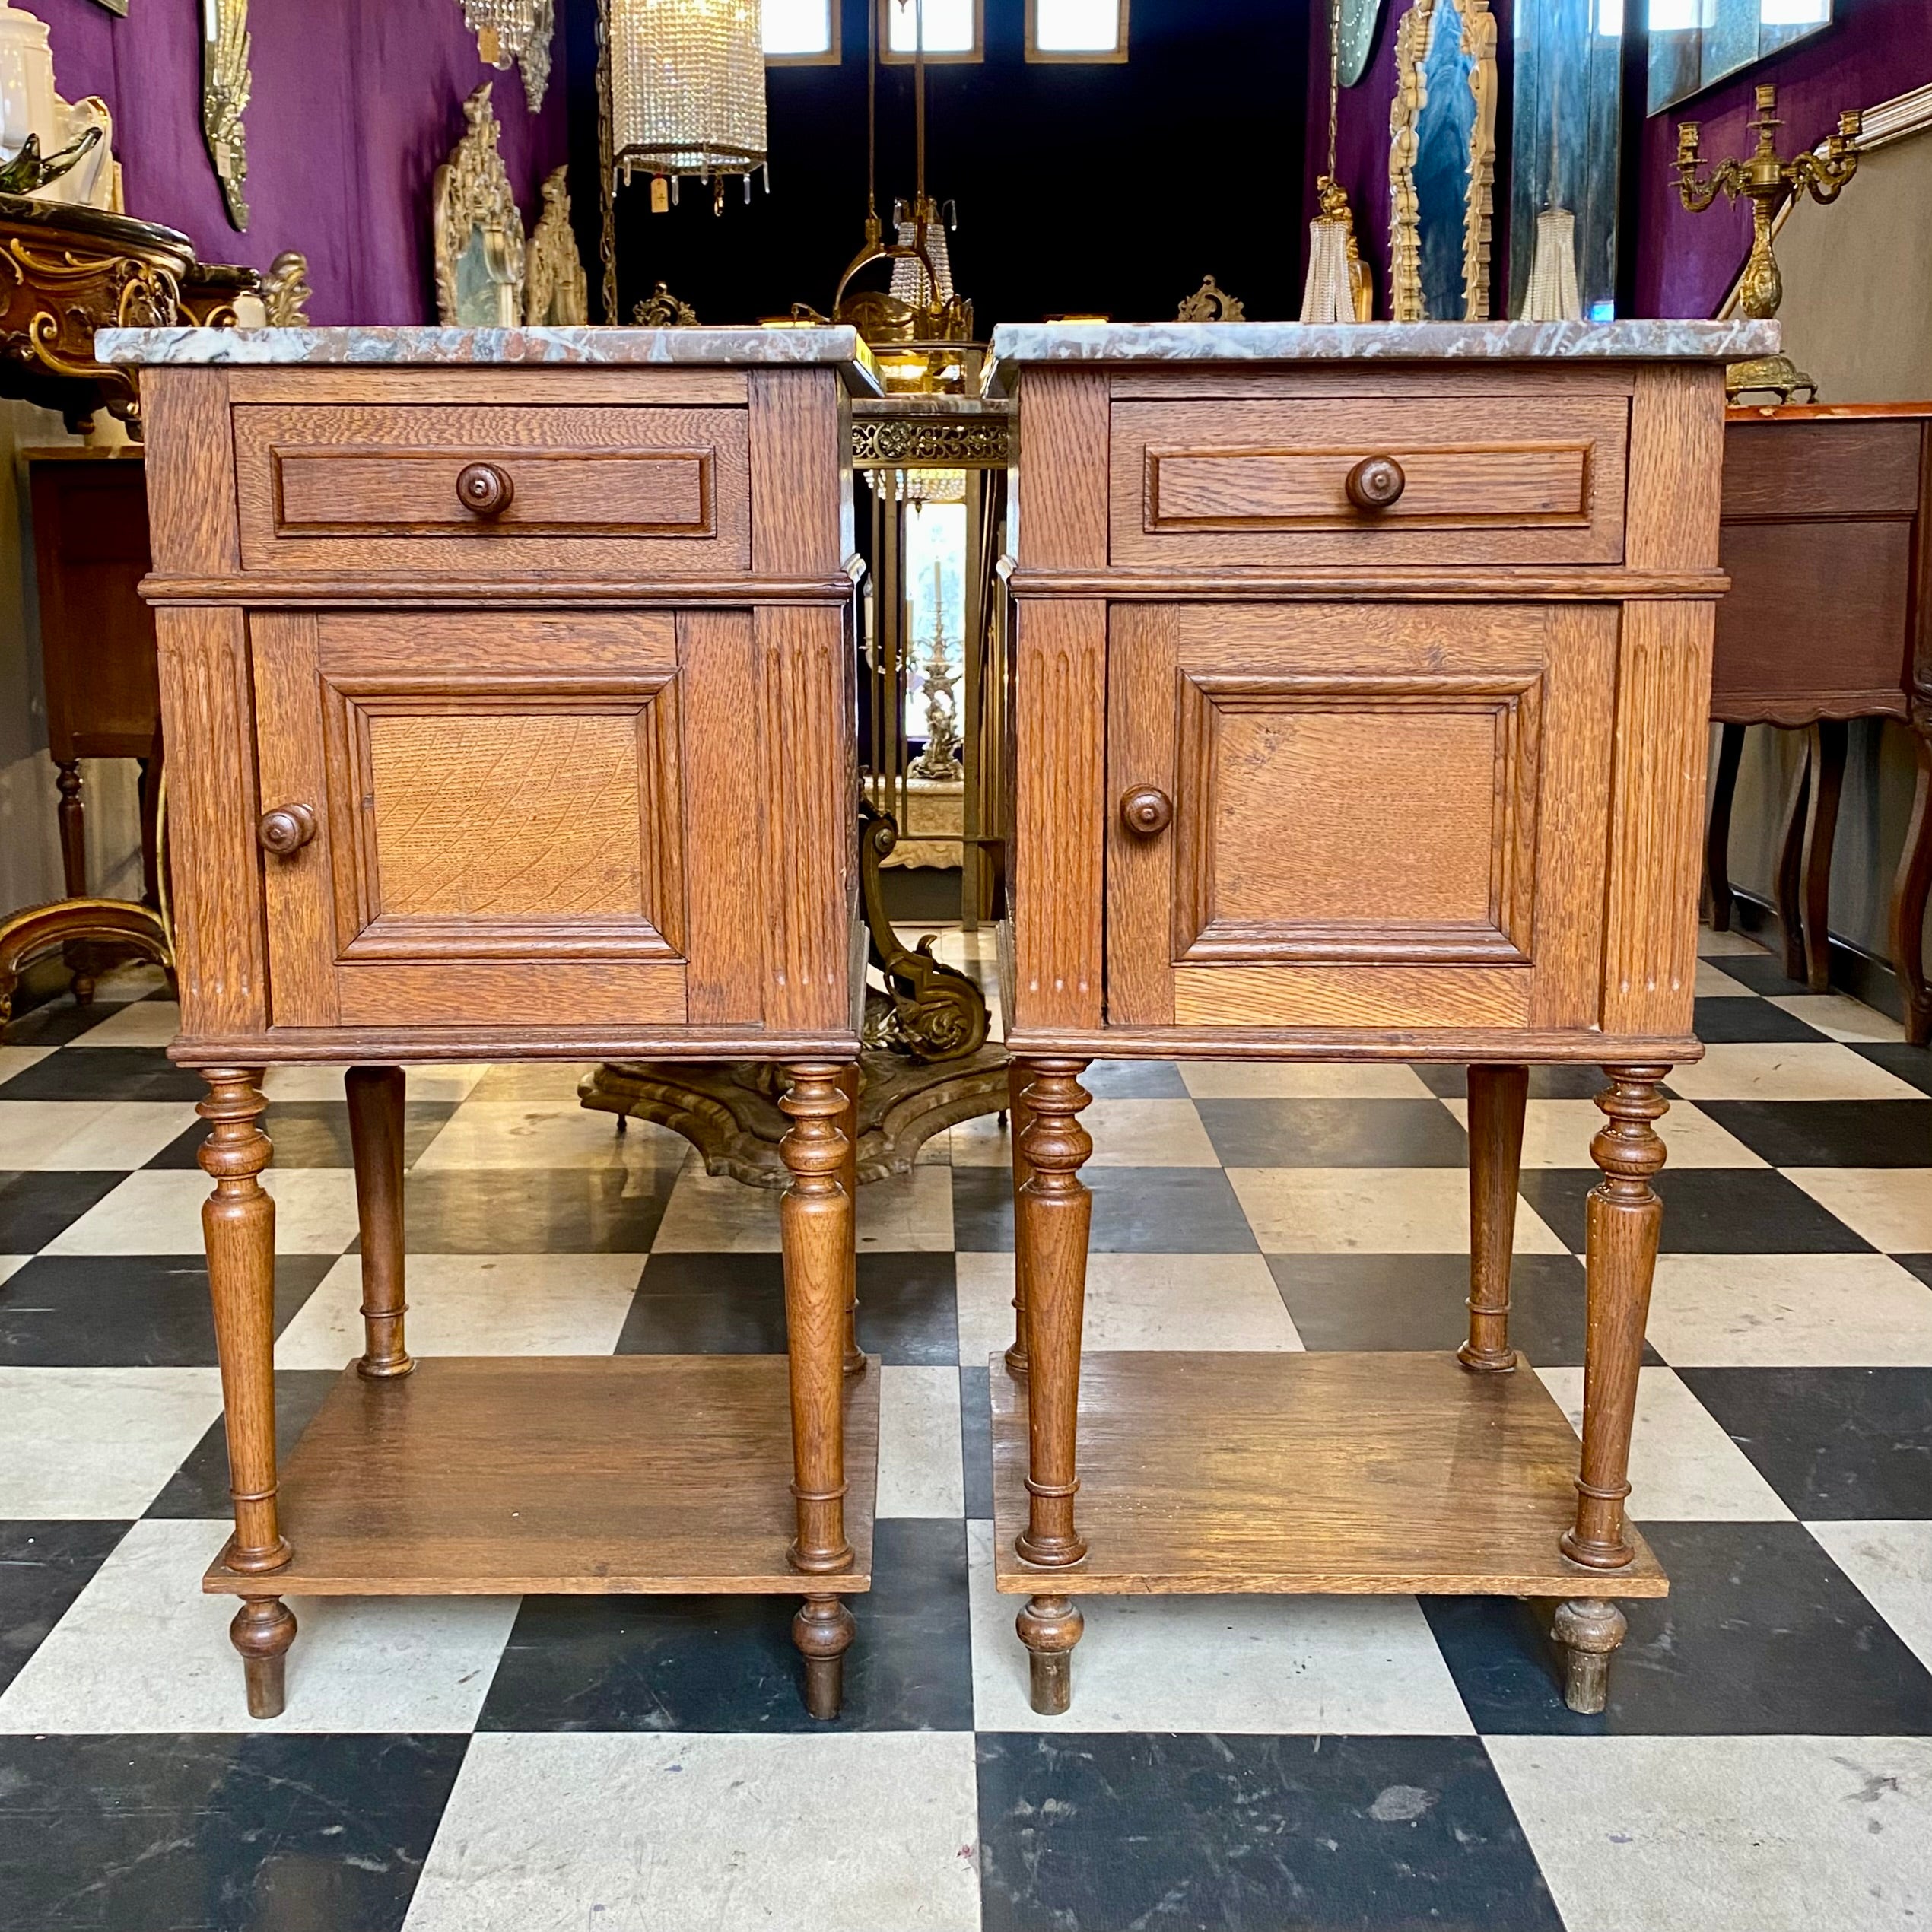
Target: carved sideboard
1360,688
507,693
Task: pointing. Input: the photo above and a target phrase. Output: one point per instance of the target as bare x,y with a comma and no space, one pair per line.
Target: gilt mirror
479,233
1442,160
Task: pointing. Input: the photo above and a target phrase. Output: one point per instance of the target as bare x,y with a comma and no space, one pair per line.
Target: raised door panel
499,819
1380,816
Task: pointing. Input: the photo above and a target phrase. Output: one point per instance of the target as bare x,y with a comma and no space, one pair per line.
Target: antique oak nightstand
508,689
1361,682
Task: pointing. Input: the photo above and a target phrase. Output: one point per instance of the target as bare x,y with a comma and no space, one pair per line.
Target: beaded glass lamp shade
503,28
687,88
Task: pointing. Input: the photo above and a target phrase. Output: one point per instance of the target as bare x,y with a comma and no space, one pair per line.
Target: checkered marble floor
1247,1764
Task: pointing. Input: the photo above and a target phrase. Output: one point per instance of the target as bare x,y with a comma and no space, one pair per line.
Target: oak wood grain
1061,523
800,477
192,523
470,384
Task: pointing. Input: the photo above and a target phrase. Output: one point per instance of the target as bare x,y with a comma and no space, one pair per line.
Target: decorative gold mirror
556,291
479,235
1442,161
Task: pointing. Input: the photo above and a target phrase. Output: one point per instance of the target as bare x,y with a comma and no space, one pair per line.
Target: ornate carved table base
1292,1472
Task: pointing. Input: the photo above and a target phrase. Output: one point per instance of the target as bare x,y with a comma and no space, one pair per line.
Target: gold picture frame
1414,43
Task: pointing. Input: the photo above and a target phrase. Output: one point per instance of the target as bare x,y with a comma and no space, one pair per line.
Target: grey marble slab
1381,342
492,347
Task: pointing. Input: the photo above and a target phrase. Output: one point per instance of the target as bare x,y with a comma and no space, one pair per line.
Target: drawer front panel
1536,479
1379,815
498,818
592,491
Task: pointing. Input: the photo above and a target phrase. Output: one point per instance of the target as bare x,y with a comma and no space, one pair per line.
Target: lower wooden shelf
478,1475
1287,1473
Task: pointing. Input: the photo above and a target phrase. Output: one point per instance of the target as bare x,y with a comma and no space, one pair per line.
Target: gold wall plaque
226,85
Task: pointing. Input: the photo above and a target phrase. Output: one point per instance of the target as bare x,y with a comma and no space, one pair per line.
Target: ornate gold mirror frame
226,83
556,291
1478,48
479,232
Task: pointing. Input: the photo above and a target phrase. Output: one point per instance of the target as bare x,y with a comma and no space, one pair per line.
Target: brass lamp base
1777,375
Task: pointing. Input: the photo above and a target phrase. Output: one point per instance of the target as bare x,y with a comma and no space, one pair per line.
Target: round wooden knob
1375,482
286,829
1147,810
483,489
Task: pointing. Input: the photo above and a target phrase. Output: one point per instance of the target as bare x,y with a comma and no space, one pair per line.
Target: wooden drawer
1534,478
589,491
1377,815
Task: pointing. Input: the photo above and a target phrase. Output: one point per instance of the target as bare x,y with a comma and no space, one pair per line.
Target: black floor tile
200,1488
728,1664
1835,1443
127,1310
315,1134
1402,1302
1913,1064
1761,1634
1334,1133
1732,1018
976,1439
1920,1264
724,1304
1103,1833
982,1210
1134,1079
909,1309
107,1073
1706,1211
1568,1080
43,1567
1762,972
57,1022
1135,1211
532,1211
248,1834
1829,1134
36,1207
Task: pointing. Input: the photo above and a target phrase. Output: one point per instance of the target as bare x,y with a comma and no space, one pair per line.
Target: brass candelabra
1769,182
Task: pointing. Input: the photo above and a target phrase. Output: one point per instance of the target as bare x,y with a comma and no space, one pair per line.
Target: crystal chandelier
515,34
686,80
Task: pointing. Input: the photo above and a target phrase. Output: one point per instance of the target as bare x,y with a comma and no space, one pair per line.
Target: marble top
1383,341
493,348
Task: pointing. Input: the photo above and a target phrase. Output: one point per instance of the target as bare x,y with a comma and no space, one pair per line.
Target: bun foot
823,1630
1589,1631
1049,1627
262,1630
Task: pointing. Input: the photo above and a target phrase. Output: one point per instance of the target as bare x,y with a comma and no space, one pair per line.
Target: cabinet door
498,811
1375,815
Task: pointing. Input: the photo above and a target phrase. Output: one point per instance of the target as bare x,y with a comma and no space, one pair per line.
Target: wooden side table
1827,535
1361,684
476,649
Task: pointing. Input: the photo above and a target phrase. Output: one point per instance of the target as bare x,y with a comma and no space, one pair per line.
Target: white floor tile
920,1459
1714,984
1683,1467
1138,1301
1790,1310
981,1143
17,1059
437,1080
1370,1211
141,1023
1557,1133
1891,1207
1814,1070
1727,946
517,1133
158,1211
142,1649
906,1213
135,981
1843,1019
1890,1563
42,1134
99,1442
1148,1133
474,1304
12,1264
875,1832
1271,1665
709,1214
1727,1834
1212,1079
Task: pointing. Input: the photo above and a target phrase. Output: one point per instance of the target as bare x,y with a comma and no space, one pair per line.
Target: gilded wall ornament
1211,302
285,290
556,290
226,84
662,309
480,253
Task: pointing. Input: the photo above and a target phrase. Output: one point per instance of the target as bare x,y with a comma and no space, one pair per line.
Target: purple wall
356,103
1685,263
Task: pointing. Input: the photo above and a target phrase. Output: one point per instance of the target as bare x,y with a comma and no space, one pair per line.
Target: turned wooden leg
1826,756
73,815
823,1630
1624,1217
1049,1627
848,1178
1498,1096
1018,1075
1052,1215
262,1630
375,1097
1717,836
815,1225
1912,889
1589,1630
1789,888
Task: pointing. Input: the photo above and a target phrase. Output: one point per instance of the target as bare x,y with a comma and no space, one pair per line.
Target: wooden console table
1360,684
475,649
1828,539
